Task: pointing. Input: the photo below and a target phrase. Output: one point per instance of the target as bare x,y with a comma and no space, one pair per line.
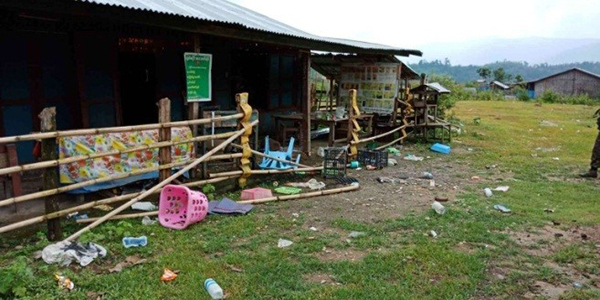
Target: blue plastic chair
268,163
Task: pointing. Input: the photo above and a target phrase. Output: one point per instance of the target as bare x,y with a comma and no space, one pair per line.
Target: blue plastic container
129,242
441,148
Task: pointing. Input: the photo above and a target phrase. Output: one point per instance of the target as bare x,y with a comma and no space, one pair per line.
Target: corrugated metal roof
566,71
500,84
438,87
223,11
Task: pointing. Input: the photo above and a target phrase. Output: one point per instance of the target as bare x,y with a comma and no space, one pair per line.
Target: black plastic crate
334,162
375,158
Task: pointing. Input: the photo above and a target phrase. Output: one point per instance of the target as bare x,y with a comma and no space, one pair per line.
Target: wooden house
569,82
107,62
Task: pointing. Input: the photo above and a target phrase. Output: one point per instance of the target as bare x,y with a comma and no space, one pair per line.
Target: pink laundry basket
180,207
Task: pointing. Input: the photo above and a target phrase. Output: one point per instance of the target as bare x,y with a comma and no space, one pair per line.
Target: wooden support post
244,123
50,152
193,113
13,160
330,108
306,101
164,134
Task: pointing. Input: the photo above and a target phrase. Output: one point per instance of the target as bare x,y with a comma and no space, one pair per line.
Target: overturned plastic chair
268,163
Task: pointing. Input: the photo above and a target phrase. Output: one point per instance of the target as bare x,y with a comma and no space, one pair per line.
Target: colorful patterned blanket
117,164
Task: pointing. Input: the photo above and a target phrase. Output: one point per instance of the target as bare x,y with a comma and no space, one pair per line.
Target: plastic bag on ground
64,253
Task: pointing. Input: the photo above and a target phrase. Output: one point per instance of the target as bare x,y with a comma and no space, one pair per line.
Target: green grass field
474,257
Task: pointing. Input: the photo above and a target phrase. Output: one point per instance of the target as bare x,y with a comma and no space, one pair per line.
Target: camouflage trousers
596,153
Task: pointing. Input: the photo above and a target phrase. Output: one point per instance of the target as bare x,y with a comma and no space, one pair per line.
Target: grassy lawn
479,253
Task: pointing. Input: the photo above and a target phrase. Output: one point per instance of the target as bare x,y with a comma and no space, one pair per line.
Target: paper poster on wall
376,85
198,68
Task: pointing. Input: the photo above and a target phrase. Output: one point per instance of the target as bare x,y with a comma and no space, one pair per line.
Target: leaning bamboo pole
55,163
92,204
224,156
158,186
265,172
56,134
303,195
271,157
391,143
120,217
82,184
378,136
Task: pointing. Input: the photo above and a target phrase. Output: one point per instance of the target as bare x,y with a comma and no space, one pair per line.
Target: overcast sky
411,24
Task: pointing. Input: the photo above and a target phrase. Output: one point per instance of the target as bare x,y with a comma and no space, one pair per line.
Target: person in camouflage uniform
593,172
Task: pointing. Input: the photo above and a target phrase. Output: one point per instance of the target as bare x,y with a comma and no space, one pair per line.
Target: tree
519,78
499,74
484,72
508,78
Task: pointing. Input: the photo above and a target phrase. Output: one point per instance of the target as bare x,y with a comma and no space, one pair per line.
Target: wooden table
329,123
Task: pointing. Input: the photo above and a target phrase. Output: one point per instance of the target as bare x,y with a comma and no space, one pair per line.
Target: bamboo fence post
300,196
120,217
50,152
264,172
164,135
156,187
244,123
271,157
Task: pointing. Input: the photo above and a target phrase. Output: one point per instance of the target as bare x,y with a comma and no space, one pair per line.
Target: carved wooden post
244,122
164,134
50,152
353,127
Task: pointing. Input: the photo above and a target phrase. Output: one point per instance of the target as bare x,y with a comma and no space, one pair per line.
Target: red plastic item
256,193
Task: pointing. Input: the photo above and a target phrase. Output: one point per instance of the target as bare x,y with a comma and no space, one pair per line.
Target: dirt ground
375,202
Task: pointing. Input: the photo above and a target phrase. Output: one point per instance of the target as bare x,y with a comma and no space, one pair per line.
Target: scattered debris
321,152
213,288
392,162
577,285
235,269
556,158
385,180
129,242
548,210
546,123
476,178
491,167
371,168
488,192
355,234
228,206
503,189
80,216
128,262
441,199
282,243
346,180
64,282
392,150
441,148
502,208
65,252
427,175
147,221
275,183
256,193
433,234
354,164
313,184
286,190
145,206
312,228
438,208
431,183
413,157
168,275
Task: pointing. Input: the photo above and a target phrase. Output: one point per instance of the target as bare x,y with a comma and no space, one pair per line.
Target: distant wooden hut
570,82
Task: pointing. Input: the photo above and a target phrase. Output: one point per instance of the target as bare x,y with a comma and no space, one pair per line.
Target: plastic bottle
213,289
129,242
438,207
488,192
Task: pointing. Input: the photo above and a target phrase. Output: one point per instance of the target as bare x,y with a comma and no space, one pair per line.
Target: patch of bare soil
376,202
320,278
549,239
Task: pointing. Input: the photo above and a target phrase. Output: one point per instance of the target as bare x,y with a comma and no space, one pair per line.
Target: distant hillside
533,50
529,72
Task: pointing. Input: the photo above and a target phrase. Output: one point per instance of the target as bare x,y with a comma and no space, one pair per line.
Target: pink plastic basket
180,207
255,193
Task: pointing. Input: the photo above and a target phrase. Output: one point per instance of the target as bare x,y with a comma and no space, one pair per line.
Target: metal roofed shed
227,14
433,87
329,64
498,85
574,81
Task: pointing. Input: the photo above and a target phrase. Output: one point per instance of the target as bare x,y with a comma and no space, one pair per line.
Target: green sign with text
197,74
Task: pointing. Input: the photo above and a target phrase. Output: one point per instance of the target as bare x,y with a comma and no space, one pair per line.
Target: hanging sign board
376,85
198,76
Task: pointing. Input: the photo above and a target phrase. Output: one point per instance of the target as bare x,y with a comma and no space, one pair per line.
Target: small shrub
554,97
14,278
209,191
521,94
